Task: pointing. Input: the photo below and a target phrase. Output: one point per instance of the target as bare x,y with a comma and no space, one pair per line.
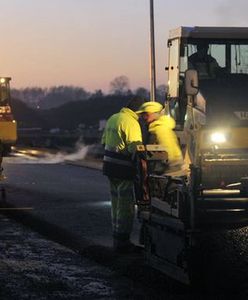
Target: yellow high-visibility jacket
161,132
121,135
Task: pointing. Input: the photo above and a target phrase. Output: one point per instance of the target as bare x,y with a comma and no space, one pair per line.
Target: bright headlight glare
218,138
2,80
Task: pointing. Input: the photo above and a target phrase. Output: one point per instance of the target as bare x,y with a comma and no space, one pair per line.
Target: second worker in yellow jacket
161,131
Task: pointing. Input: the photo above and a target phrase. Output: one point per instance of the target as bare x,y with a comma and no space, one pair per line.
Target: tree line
71,108
47,98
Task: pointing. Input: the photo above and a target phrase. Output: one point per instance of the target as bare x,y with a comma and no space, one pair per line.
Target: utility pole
152,56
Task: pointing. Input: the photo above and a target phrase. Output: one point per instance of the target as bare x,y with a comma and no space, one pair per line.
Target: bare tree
119,85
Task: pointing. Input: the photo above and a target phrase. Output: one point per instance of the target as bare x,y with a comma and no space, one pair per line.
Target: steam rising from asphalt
60,157
49,158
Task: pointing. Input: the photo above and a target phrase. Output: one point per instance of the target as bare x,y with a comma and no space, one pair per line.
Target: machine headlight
218,137
2,80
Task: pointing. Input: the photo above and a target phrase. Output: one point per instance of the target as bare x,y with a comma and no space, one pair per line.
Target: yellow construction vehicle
209,102
8,126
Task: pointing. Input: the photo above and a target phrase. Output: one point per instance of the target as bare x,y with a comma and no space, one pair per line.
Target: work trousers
122,212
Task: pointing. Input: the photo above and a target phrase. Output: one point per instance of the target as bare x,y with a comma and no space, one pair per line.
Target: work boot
119,244
123,247
132,248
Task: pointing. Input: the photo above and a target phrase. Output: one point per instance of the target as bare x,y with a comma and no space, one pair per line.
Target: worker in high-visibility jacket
204,63
161,132
121,135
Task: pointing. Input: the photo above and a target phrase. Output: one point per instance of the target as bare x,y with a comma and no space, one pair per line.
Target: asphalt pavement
56,235
69,205
32,267
64,196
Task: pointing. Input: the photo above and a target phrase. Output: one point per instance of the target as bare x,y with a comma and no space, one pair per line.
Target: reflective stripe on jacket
118,165
120,137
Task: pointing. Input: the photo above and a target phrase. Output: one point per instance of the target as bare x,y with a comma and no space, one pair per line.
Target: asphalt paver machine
212,126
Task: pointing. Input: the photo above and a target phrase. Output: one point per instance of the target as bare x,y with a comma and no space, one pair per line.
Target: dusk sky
88,43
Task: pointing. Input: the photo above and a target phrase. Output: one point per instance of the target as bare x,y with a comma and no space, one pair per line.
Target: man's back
122,130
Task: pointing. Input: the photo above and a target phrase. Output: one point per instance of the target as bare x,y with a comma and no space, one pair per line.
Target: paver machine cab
8,126
211,111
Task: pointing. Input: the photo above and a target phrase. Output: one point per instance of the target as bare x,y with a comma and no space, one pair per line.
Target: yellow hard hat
150,107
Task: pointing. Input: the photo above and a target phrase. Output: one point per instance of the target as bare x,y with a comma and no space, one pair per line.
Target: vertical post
152,55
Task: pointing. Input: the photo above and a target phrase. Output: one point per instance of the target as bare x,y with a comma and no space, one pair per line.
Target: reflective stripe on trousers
122,211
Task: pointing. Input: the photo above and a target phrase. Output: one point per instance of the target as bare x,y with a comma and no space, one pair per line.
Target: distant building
102,124
54,130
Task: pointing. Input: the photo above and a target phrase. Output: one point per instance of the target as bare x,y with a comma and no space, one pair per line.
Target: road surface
33,267
69,205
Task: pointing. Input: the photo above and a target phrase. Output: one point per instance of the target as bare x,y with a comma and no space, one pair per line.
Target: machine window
239,59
